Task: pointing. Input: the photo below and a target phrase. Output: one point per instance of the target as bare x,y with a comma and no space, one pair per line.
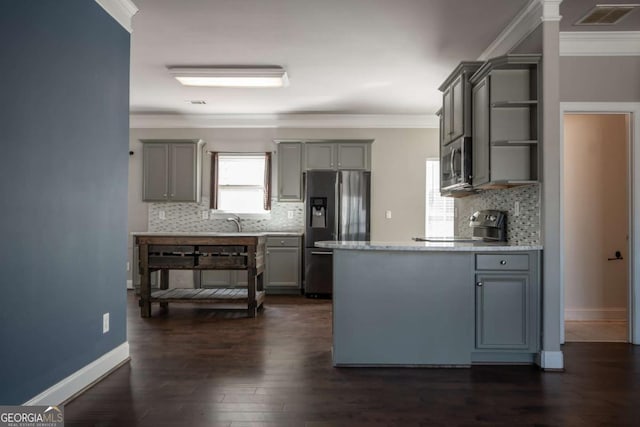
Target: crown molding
527,20
334,121
121,10
600,43
520,27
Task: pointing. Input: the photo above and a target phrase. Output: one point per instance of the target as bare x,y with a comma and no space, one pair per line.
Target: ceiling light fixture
231,77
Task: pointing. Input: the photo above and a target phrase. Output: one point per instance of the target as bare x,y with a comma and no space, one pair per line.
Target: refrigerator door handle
321,253
338,194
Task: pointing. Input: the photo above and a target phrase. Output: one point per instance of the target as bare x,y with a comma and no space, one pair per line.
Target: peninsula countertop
217,233
413,246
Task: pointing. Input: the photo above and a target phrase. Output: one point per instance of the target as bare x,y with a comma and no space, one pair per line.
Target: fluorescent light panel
231,77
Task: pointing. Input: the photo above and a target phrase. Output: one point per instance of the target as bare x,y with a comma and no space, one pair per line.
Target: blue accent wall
64,125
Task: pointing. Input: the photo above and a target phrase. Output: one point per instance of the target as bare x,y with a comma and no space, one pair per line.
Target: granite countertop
218,233
427,246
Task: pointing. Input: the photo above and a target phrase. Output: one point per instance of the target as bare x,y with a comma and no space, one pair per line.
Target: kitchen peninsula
438,304
166,251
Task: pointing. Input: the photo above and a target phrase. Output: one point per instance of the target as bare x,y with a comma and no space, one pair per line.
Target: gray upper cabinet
155,172
456,99
459,106
353,156
505,122
447,113
320,156
507,302
334,155
290,172
480,146
171,170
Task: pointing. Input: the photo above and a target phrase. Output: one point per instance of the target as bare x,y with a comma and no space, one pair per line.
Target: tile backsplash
188,217
523,229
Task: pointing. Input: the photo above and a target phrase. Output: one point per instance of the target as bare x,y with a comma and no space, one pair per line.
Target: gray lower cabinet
171,170
507,302
282,273
282,269
290,172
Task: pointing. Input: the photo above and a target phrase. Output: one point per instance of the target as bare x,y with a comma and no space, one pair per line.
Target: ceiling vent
196,102
607,14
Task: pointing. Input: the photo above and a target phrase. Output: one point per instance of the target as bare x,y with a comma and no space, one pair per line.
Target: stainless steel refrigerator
337,207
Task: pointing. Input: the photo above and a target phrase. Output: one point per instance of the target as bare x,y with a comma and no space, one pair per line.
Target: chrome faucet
236,220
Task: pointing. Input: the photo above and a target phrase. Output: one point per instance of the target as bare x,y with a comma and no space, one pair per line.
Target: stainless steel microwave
455,165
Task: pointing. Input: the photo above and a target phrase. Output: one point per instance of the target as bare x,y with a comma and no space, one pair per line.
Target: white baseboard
83,378
551,360
593,314
129,284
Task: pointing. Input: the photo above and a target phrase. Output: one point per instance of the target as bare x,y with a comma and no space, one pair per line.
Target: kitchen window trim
214,212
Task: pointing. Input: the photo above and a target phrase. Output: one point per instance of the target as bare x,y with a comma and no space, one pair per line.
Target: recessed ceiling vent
196,102
607,14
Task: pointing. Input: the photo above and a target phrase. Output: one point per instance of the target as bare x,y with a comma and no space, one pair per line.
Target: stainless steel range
486,226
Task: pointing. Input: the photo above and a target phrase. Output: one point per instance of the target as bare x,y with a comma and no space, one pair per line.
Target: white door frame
632,108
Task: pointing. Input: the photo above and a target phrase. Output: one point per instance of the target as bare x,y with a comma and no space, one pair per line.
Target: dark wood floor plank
201,367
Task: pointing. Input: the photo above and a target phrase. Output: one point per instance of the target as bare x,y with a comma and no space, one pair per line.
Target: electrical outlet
128,266
290,214
387,214
205,214
105,323
516,208
161,215
455,212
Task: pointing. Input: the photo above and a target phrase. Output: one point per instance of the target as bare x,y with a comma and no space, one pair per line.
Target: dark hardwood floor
195,367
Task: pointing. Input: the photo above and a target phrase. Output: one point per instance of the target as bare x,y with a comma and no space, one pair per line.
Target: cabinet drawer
502,262
283,241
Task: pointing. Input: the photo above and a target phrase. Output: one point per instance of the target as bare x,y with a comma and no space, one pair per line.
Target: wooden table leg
251,292
164,284
145,282
260,287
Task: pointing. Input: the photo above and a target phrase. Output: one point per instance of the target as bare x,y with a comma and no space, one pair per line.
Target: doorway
596,200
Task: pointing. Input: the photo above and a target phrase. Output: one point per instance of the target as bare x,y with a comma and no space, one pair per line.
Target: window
240,182
439,211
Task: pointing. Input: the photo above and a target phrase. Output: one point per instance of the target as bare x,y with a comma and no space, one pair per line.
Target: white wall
397,164
595,216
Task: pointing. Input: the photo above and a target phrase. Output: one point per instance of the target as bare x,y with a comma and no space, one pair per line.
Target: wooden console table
201,251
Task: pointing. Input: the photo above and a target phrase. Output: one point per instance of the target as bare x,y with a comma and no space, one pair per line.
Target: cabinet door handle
479,284
164,195
503,262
